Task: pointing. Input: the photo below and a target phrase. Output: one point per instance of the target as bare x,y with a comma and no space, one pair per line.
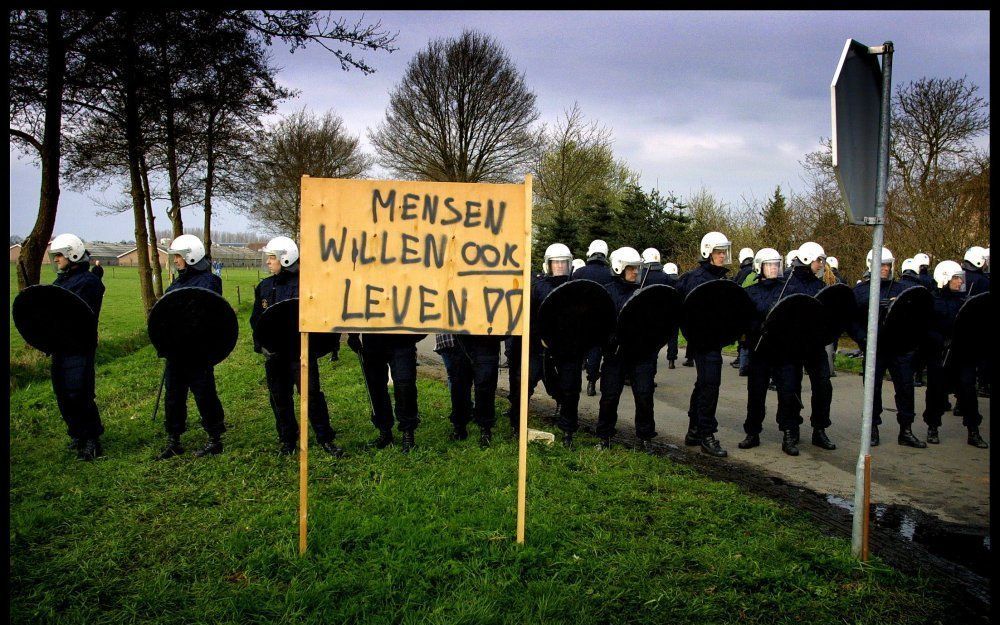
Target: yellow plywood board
405,256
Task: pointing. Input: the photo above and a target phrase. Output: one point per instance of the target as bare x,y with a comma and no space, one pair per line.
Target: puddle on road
965,546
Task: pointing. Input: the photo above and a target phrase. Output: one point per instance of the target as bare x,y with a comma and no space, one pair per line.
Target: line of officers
472,362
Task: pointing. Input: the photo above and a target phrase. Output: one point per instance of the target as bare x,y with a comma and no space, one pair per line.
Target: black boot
692,438
287,448
384,439
671,365
408,442
173,447
976,440
710,445
485,438
332,448
459,433
875,440
212,448
567,440
591,388
918,378
932,435
688,362
907,438
646,446
821,440
90,449
735,364
74,444
751,441
789,443
604,442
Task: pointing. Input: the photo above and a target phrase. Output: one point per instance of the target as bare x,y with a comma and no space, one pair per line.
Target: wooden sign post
414,257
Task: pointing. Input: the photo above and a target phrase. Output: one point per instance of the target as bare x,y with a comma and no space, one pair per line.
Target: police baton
163,378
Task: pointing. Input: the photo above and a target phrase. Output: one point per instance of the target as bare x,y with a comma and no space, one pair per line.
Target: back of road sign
856,94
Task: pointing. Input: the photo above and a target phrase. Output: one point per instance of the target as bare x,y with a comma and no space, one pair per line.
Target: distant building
130,257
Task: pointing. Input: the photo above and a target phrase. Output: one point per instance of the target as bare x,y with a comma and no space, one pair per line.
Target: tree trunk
29,262
134,157
209,179
175,192
154,255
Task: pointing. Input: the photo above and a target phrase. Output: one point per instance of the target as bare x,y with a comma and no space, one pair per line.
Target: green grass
614,537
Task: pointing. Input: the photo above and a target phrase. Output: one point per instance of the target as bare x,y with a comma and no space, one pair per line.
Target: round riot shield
648,319
193,325
575,317
54,320
277,331
907,321
839,307
968,342
715,314
789,330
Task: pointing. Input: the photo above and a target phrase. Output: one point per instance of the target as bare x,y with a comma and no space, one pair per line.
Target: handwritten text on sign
397,256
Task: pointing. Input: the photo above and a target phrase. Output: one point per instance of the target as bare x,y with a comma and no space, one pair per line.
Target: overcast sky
731,101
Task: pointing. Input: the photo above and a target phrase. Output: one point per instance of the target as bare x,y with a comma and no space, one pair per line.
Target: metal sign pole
859,534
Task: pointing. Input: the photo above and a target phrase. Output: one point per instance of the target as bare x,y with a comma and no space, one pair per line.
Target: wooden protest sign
414,257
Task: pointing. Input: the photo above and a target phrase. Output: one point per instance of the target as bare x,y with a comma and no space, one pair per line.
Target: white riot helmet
671,269
832,262
977,256
716,241
577,263
945,271
625,257
809,252
745,253
70,246
556,251
910,264
650,255
790,256
189,247
769,256
923,260
597,246
284,249
887,259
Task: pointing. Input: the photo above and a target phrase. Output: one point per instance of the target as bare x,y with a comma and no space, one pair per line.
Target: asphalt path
949,481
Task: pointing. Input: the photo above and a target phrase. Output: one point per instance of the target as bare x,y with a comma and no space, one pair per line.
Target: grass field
613,537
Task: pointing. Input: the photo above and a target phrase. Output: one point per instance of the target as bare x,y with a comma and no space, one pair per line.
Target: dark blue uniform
654,274
708,362
283,373
73,375
926,278
641,371
473,361
958,375
380,354
900,366
976,280
179,377
560,375
746,268
816,364
597,270
742,356
761,369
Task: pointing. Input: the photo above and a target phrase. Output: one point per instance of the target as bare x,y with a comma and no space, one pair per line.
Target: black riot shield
839,308
277,331
194,325
715,314
907,321
789,330
54,320
647,320
575,317
969,342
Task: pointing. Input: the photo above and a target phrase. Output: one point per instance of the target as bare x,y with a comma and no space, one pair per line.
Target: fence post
238,295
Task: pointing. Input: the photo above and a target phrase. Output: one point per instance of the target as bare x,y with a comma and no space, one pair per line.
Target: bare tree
300,144
462,113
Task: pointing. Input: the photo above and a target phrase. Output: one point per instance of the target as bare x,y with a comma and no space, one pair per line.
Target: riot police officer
617,366
761,368
596,269
746,268
564,371
948,299
380,354
471,361
283,372
715,251
73,375
910,276
193,270
976,265
898,365
652,269
923,269
672,274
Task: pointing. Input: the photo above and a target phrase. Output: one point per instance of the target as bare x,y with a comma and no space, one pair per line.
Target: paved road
950,480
